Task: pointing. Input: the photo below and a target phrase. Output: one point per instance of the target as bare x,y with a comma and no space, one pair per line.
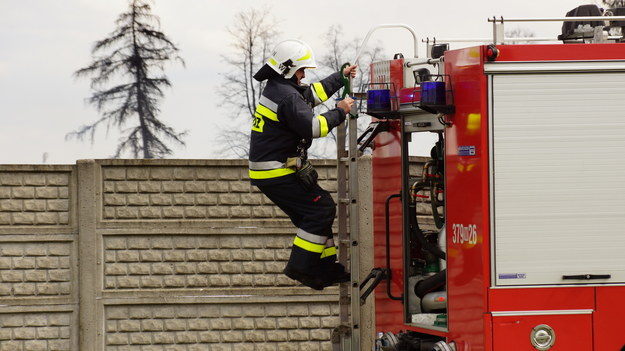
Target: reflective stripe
319,126
270,104
323,125
319,93
305,57
265,112
272,61
266,108
258,122
268,169
265,165
316,98
317,239
274,173
316,127
328,251
308,246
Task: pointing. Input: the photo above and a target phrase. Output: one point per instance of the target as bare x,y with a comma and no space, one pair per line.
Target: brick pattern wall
174,228
35,269
195,261
35,331
189,193
221,327
38,288
31,198
178,255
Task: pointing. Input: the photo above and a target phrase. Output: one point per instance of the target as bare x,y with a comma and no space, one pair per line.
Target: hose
433,283
347,85
416,232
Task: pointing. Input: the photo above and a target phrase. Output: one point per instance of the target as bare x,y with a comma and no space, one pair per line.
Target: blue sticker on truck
468,150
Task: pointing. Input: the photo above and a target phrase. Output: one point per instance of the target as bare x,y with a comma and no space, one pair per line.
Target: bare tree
252,34
132,52
341,51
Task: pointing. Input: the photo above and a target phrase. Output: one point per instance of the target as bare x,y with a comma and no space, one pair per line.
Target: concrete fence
155,255
124,255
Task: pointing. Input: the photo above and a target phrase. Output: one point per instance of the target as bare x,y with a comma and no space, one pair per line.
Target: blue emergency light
433,93
379,100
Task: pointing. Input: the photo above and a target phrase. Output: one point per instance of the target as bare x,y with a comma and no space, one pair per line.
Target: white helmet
289,56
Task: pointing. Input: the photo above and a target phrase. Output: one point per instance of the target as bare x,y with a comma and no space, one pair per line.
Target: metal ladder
346,337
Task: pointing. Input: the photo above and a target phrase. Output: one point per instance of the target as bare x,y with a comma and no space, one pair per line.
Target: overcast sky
44,42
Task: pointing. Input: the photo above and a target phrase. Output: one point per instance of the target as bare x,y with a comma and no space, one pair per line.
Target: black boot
311,281
304,266
333,272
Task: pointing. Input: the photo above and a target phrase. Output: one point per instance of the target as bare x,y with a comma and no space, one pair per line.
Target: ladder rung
344,201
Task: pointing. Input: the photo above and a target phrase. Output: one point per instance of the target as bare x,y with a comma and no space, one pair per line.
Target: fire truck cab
512,237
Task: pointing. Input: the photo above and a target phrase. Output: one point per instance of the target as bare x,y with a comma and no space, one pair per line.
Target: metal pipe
488,40
556,19
390,25
423,61
498,23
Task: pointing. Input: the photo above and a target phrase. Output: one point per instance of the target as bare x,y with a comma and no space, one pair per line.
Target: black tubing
433,283
418,234
439,221
389,272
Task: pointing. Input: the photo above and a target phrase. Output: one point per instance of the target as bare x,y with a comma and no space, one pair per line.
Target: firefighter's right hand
346,104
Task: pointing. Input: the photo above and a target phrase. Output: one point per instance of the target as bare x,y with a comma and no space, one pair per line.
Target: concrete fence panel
151,255
38,258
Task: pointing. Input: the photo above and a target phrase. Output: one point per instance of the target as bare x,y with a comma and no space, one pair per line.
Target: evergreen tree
131,54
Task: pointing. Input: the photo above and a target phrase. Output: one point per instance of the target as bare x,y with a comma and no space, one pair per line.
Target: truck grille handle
586,276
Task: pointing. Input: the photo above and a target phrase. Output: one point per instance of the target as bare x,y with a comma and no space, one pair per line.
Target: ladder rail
348,229
354,231
342,222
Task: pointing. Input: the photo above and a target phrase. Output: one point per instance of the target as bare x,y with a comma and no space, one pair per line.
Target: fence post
88,255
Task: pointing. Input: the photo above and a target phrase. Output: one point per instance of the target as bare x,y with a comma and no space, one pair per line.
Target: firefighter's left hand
346,104
350,71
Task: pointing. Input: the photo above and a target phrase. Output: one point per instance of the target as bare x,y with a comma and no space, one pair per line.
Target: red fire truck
513,236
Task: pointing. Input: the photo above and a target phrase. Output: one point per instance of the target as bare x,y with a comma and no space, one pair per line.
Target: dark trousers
312,211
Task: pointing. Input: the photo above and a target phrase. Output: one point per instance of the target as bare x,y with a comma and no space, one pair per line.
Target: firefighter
282,130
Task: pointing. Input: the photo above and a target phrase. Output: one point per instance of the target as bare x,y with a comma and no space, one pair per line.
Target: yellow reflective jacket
283,118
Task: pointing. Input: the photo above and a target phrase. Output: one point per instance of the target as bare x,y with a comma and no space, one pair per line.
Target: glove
307,175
